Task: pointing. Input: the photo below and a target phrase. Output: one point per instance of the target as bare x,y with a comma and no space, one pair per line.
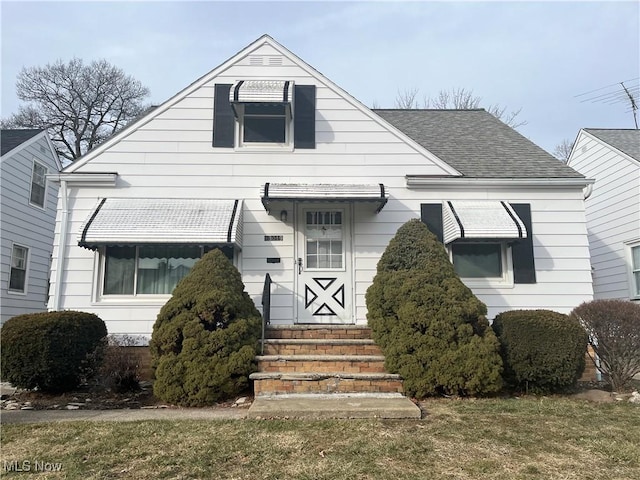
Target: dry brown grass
464,439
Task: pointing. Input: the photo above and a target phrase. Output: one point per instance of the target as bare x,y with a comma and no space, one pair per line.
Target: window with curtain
150,270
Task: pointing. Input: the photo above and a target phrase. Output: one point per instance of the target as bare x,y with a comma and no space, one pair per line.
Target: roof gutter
86,179
418,181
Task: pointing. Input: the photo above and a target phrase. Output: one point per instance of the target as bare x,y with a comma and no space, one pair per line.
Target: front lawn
546,438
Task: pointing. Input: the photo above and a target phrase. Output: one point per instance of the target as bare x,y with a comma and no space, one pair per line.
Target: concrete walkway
313,406
123,415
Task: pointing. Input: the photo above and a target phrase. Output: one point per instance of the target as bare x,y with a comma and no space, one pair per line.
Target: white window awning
141,221
482,219
376,194
262,91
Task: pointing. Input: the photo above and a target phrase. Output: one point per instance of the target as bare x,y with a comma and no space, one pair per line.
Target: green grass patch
463,439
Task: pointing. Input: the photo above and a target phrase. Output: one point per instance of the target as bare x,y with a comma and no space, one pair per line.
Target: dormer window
264,114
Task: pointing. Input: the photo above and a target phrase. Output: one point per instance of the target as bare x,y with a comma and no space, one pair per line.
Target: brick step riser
319,334
321,349
306,366
329,385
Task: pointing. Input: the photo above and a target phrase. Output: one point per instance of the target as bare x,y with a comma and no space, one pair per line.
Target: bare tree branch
563,150
81,104
456,99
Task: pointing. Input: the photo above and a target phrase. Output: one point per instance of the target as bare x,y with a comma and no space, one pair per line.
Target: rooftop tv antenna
613,94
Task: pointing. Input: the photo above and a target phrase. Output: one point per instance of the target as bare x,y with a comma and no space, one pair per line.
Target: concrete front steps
316,368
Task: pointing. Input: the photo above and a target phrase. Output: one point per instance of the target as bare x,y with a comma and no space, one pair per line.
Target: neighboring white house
291,176
612,158
27,220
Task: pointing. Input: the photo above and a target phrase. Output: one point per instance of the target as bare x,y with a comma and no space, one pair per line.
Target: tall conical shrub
432,329
204,340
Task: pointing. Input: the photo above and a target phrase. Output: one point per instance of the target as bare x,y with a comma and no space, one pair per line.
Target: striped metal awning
141,221
319,192
482,220
261,91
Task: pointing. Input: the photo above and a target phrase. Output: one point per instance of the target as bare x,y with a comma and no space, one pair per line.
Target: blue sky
538,56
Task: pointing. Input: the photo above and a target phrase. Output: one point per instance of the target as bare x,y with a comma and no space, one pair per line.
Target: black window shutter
304,116
524,269
223,118
431,216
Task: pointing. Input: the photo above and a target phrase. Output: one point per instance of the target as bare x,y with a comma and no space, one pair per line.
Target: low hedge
543,351
51,351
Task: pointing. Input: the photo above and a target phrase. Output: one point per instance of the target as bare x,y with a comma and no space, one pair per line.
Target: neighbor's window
149,270
477,260
635,271
264,124
18,274
38,184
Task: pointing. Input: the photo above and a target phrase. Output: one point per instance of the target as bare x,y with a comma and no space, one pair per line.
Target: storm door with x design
324,266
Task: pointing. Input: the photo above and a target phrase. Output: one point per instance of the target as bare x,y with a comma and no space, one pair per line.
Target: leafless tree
81,104
456,99
563,150
408,98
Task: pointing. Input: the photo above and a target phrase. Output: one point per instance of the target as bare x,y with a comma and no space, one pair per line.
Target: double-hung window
38,185
634,270
18,273
264,124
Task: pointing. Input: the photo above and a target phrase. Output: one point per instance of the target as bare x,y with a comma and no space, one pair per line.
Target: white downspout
62,245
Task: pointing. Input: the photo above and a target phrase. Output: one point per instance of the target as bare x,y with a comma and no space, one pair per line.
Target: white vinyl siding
23,223
172,155
612,212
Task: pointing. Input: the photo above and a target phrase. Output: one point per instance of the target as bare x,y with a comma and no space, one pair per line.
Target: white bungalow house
27,220
291,176
612,158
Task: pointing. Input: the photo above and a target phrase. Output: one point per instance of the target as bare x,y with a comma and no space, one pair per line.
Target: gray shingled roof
477,144
11,138
625,140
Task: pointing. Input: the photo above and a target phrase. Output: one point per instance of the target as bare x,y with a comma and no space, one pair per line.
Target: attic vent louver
256,60
275,60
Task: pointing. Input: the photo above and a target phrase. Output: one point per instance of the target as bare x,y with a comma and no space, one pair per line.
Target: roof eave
421,181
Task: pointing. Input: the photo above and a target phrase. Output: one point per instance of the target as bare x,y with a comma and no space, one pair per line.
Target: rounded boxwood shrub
203,345
432,329
51,351
543,351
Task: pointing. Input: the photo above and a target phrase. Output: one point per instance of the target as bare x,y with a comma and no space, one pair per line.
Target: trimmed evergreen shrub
613,327
543,351
51,351
204,340
432,329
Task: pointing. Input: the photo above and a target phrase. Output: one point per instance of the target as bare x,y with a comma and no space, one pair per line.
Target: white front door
324,265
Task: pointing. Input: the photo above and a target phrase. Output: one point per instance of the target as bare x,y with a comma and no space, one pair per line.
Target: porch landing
333,405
